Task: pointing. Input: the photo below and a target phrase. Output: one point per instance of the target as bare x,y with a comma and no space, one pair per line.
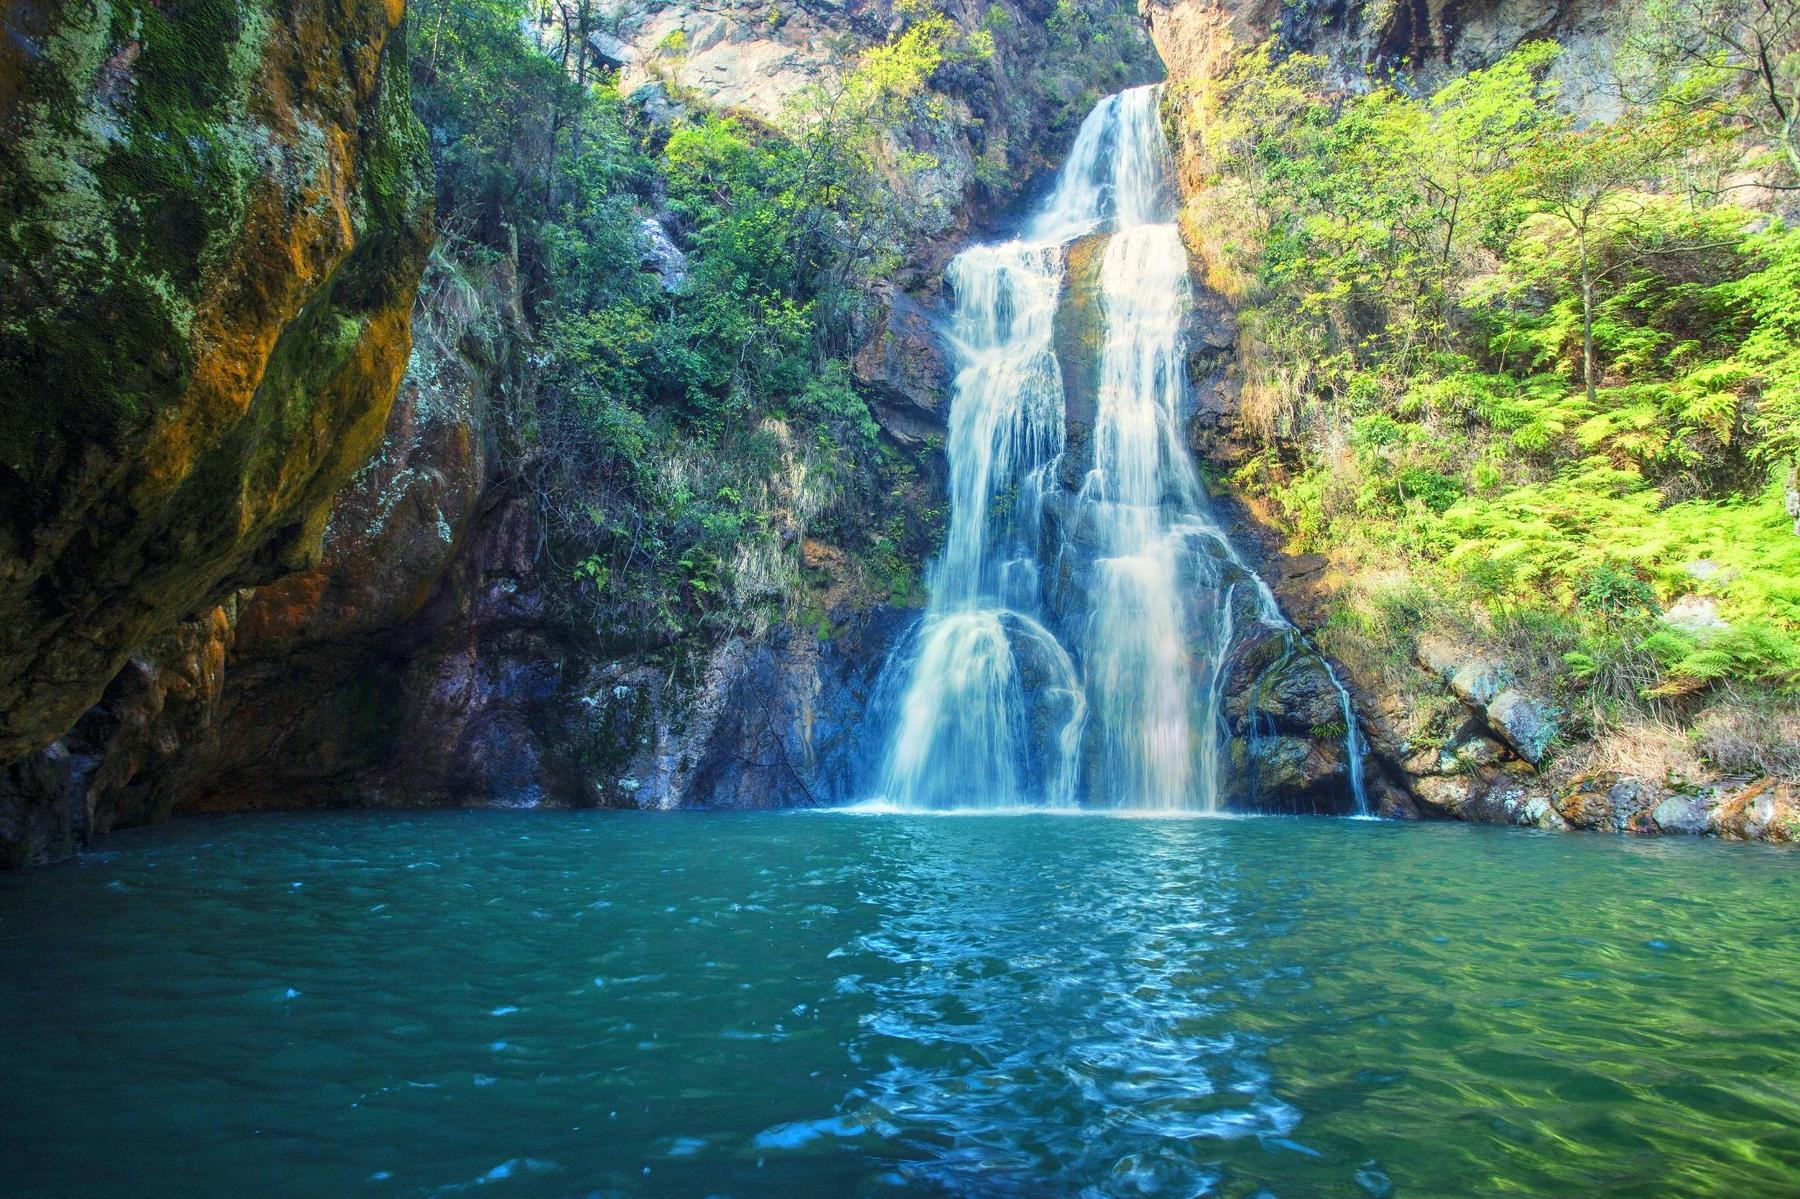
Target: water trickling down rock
1079,643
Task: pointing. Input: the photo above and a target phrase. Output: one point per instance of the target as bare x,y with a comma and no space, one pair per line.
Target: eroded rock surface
212,223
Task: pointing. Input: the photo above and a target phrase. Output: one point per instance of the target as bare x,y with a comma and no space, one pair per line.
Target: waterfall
1074,644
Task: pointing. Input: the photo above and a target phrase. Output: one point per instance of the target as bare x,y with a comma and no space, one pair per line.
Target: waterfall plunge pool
820,1004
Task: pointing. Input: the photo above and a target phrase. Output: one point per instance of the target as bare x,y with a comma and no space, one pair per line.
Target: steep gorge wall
423,658
212,223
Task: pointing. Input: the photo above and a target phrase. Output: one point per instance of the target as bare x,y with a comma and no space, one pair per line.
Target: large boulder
1474,676
1485,684
1287,743
212,221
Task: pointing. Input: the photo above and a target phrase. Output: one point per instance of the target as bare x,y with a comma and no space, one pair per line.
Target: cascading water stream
1130,573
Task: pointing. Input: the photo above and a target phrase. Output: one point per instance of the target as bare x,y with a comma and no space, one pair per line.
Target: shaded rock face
122,761
362,679
214,222
787,721
904,370
423,662
1363,40
1287,748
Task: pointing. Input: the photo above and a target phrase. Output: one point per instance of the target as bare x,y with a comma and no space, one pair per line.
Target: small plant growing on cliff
1614,594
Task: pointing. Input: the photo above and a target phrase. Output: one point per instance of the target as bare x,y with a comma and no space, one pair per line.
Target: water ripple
782,1005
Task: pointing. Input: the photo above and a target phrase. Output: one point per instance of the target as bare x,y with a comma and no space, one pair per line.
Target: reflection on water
1062,990
838,1005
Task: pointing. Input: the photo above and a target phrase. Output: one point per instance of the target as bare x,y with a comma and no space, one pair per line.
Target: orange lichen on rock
216,323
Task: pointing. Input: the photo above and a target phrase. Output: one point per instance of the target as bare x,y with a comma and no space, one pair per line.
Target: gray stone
1539,812
662,255
1680,814
1626,796
1475,677
903,370
1446,795
610,50
660,109
1523,722
1696,614
1469,754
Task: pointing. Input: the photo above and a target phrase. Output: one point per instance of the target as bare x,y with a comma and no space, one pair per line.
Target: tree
1735,57
1584,176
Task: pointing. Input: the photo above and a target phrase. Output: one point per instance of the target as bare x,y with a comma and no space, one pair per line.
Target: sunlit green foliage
679,442
1511,356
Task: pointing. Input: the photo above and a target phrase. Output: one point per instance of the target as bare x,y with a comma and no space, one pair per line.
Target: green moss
128,178
143,153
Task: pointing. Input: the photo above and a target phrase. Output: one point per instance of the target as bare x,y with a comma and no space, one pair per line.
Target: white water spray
1130,572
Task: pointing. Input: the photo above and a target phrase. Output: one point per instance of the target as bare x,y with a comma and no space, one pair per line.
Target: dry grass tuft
1656,751
1739,737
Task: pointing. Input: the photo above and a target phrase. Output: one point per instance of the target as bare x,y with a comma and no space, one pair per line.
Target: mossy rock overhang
213,217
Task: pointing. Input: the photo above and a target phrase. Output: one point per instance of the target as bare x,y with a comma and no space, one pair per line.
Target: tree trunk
1587,316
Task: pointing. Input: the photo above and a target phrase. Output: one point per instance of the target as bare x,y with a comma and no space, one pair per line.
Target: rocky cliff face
212,223
994,127
425,660
1487,769
422,658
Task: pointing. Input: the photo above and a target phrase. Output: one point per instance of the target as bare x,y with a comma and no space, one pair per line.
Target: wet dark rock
790,725
1286,741
117,765
904,371
1077,457
1212,324
1287,774
1079,332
